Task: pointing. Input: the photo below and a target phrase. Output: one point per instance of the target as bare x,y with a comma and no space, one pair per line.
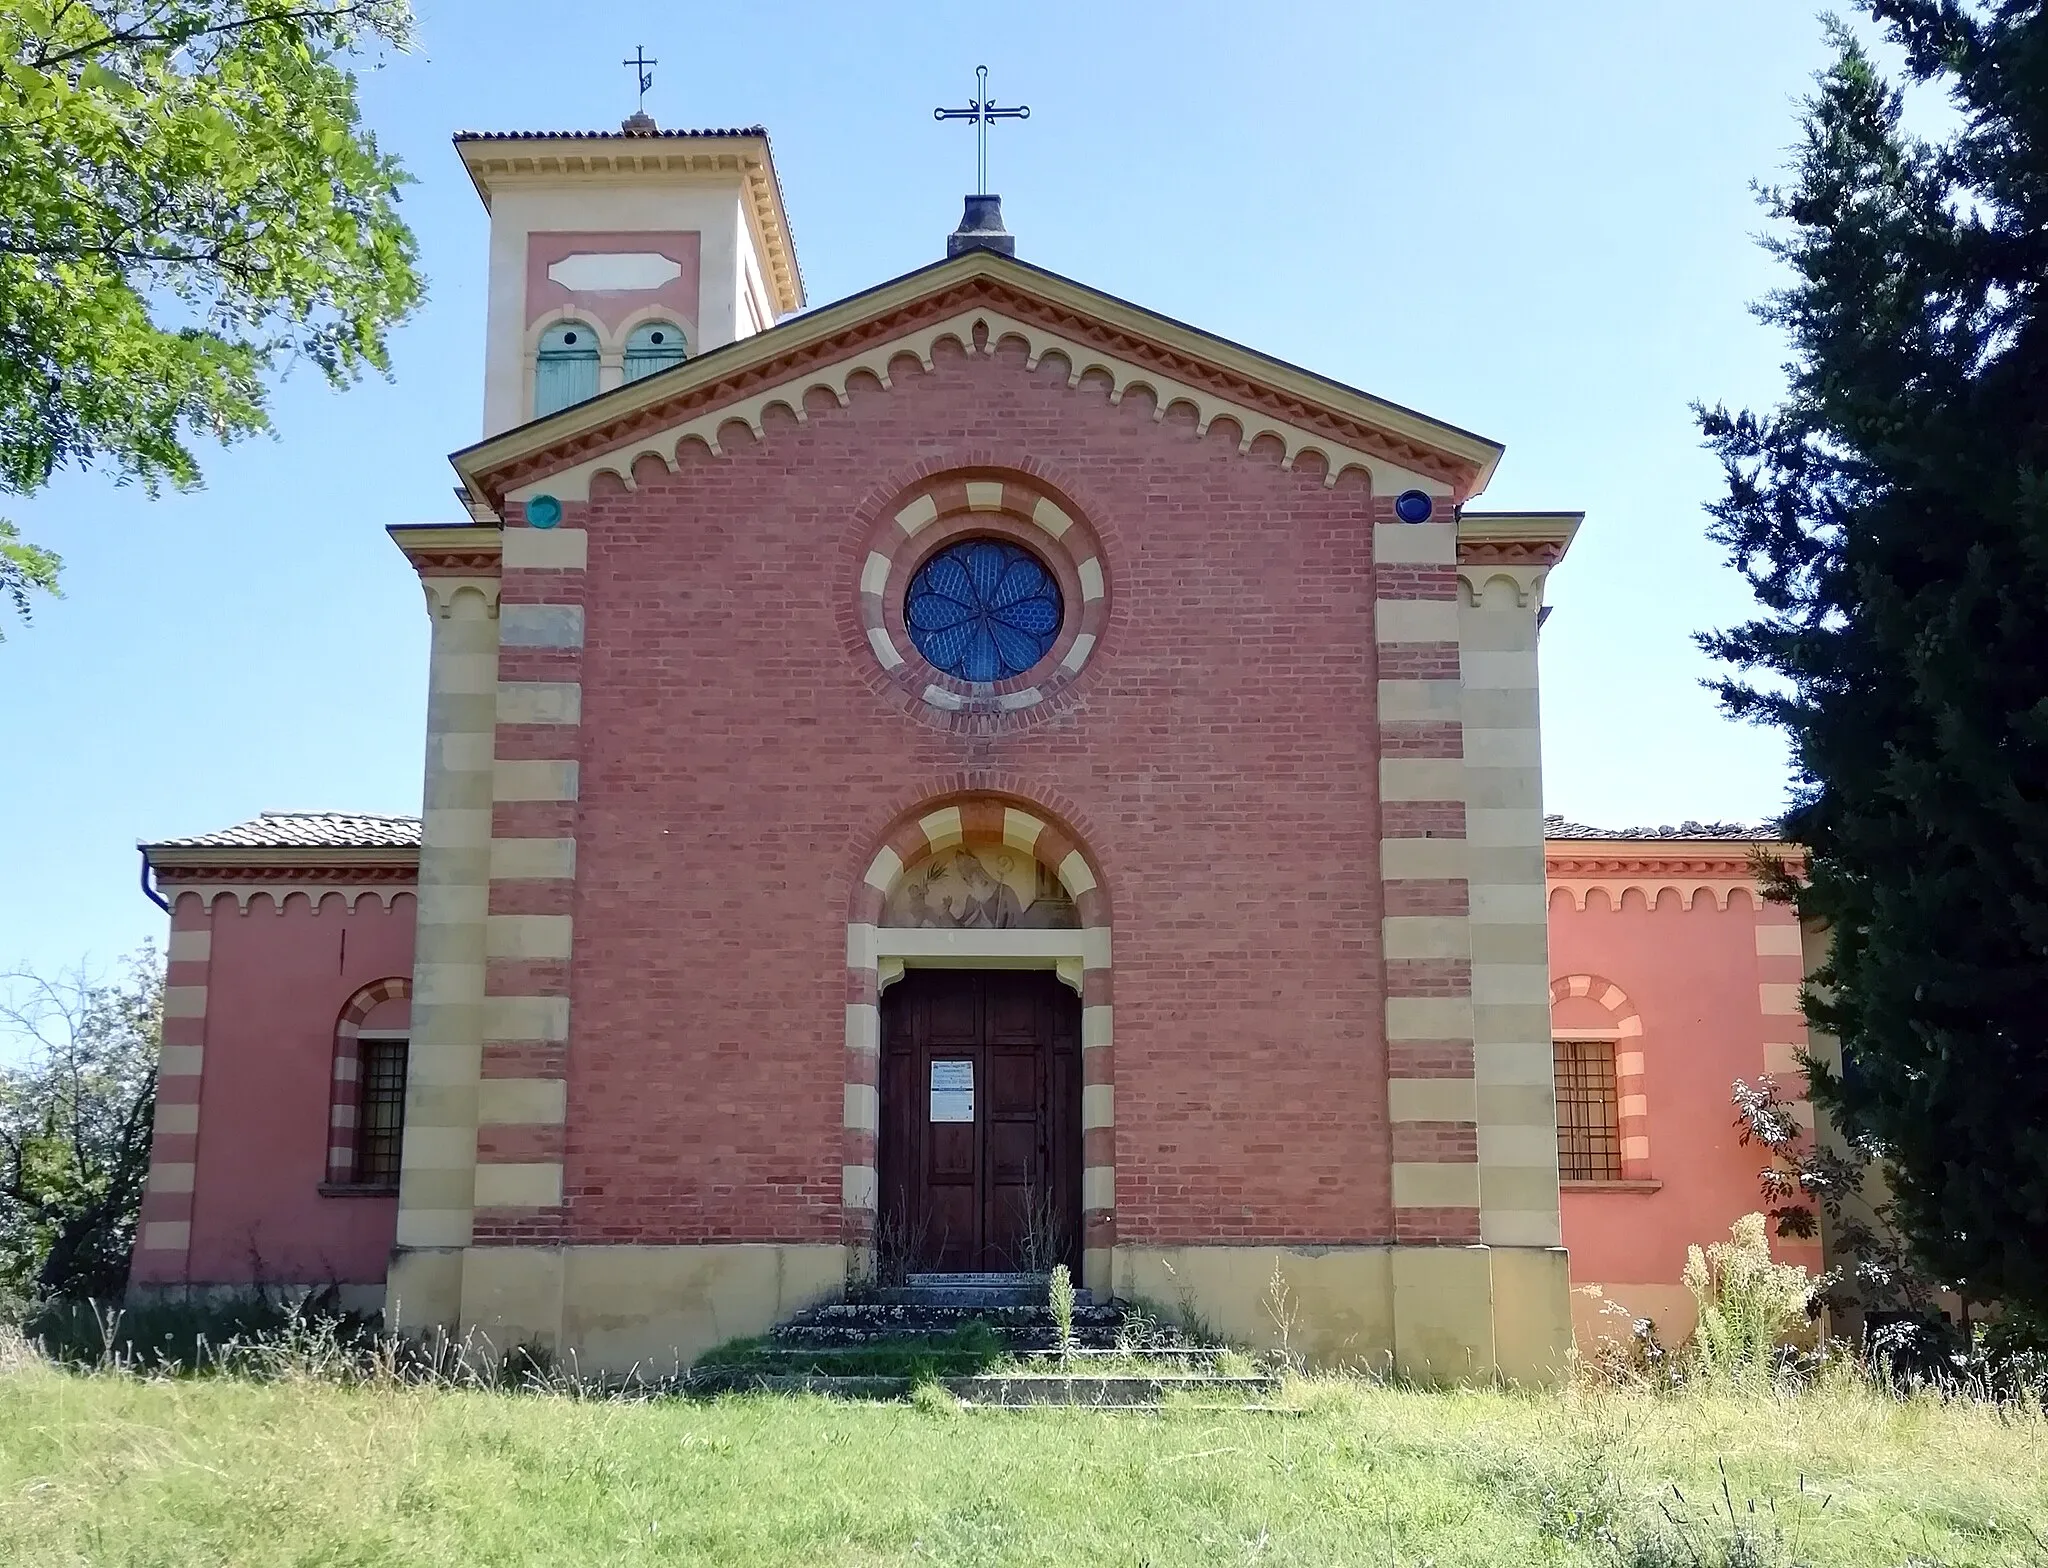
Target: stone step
1111,1391
924,1318
1014,1342
984,1281
977,1290
846,1324
1125,1392
784,1354
964,1296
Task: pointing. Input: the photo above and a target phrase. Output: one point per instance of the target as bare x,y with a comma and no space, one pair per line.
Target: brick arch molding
965,503
346,1095
1022,497
1631,1102
977,812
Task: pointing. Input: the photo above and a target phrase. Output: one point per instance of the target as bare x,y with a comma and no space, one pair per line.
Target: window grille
983,610
380,1114
1588,1120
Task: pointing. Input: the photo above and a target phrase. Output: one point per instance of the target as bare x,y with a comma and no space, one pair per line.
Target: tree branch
138,36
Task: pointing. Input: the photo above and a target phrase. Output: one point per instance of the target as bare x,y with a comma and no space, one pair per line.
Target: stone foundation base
613,1310
1433,1314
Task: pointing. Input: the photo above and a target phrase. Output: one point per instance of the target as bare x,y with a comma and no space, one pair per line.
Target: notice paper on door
953,1091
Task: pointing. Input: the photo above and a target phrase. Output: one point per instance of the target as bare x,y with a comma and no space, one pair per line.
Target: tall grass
280,1433
112,1466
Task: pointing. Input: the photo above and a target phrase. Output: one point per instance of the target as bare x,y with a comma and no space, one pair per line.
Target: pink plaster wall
611,306
1693,976
277,985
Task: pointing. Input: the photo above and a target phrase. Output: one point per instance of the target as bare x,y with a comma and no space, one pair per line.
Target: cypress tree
1891,517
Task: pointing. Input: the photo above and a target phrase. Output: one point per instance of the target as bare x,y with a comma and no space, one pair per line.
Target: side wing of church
975,776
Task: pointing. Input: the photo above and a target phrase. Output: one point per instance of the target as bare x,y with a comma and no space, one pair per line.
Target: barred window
1588,1123
380,1114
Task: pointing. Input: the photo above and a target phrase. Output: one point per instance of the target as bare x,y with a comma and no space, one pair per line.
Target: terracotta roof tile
605,136
1557,827
308,830
381,830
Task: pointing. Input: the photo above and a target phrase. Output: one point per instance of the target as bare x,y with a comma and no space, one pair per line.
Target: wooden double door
980,1139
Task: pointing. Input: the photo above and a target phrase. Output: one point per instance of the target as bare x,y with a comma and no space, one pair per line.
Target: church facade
973,776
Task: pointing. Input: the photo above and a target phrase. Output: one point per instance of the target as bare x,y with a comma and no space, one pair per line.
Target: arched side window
565,369
1588,1112
652,346
366,1122
1603,1123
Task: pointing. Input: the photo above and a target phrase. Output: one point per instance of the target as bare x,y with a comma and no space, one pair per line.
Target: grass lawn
112,1469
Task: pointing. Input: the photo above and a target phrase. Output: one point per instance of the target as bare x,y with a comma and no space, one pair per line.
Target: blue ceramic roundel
1414,506
983,610
543,511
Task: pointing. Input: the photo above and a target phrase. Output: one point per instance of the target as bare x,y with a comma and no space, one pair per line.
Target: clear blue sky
1530,220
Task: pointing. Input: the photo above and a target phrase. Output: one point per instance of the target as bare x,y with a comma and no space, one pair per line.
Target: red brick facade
1217,760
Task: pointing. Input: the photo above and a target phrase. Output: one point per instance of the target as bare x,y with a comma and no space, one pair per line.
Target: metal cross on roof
980,109
640,64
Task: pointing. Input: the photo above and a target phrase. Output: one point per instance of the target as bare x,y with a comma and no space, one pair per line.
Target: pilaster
437,1174
1502,565
1425,927
522,1112
164,1235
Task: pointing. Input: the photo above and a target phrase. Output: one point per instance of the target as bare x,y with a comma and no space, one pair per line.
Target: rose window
983,610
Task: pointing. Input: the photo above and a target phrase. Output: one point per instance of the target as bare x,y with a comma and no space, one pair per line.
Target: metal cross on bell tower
642,68
981,110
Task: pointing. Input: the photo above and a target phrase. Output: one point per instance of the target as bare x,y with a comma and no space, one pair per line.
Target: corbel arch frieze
979,331
308,898
1719,895
446,594
1495,585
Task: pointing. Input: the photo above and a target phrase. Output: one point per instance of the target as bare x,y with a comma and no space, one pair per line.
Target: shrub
1060,1298
1749,1304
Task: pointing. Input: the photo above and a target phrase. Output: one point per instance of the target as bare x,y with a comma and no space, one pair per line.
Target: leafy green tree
1891,516
188,203
75,1121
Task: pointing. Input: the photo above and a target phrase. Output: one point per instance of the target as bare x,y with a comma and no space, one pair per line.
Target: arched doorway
979,940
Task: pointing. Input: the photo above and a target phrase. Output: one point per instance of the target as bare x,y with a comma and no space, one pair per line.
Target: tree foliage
188,203
75,1124
1891,516
1810,1180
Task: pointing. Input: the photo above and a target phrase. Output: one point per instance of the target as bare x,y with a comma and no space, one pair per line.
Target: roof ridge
619,136
324,811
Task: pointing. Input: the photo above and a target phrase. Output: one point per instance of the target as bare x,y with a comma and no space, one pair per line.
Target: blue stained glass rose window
983,610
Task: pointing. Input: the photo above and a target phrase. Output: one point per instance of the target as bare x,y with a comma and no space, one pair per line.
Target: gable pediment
978,301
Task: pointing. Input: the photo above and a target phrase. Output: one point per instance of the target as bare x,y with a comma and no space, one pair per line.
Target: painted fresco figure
991,904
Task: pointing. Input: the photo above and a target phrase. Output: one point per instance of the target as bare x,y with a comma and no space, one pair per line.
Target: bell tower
615,254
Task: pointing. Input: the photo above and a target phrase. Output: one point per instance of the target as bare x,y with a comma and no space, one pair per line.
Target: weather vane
642,67
981,109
